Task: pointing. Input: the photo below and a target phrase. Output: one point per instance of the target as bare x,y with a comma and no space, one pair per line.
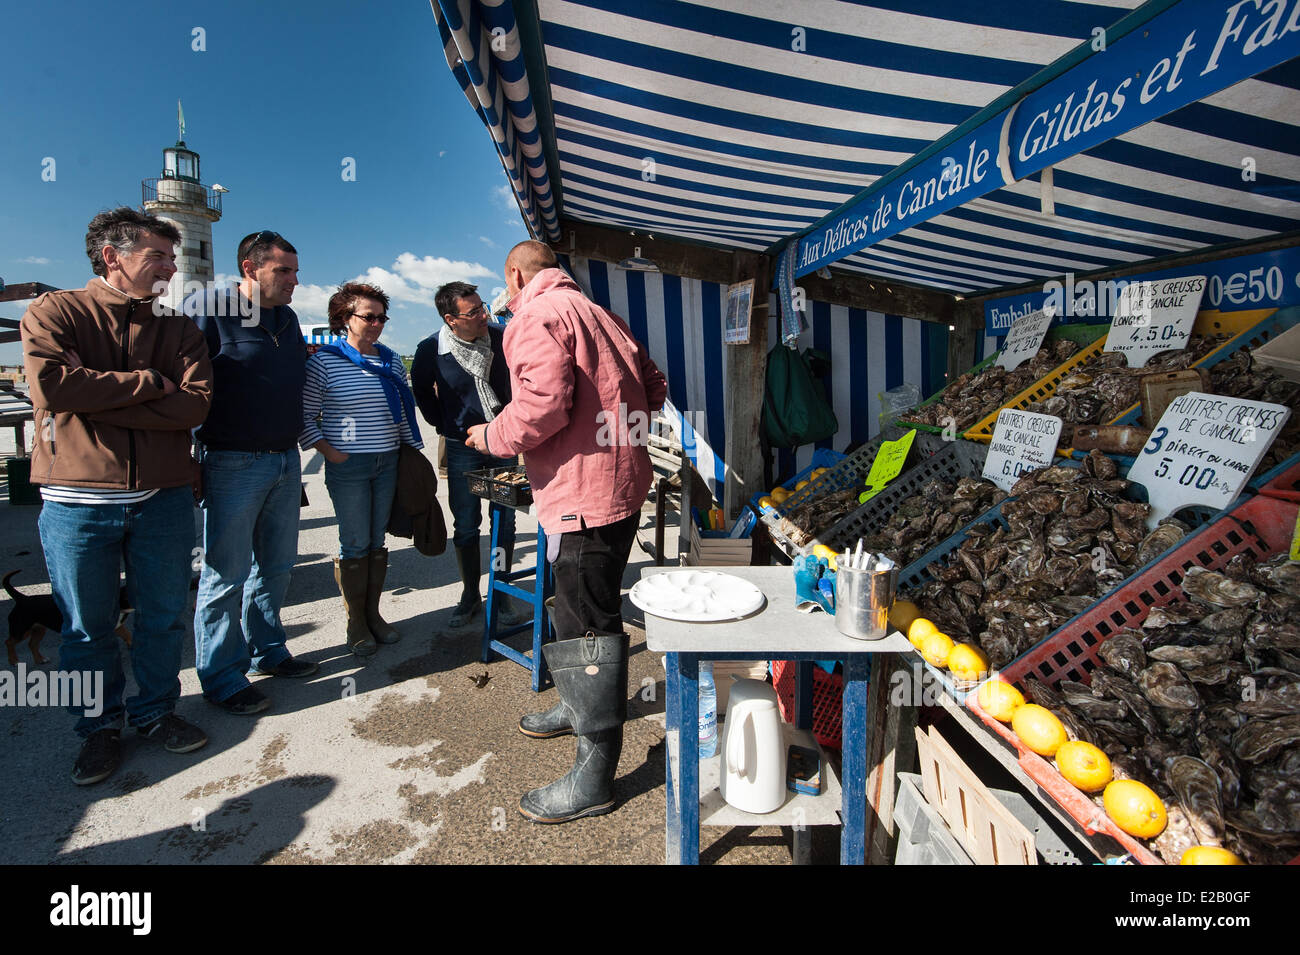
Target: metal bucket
862,601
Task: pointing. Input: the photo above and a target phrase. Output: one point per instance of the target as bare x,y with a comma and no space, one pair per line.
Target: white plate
696,595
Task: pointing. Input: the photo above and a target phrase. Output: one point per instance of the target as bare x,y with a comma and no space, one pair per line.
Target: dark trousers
589,578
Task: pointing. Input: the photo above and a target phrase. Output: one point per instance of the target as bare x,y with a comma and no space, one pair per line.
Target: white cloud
441,153
35,260
490,244
505,196
409,280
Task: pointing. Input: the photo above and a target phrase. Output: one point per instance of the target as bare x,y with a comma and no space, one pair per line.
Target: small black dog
33,615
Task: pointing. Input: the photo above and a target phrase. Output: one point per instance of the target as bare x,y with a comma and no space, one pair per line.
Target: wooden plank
880,295
987,830
746,376
966,332
25,290
590,241
891,749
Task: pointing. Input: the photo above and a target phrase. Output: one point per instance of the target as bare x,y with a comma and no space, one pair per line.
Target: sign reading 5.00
1204,450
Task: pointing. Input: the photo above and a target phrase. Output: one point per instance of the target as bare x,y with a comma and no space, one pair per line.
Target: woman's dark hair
344,302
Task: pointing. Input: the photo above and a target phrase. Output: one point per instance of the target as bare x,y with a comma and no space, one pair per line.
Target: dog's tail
9,588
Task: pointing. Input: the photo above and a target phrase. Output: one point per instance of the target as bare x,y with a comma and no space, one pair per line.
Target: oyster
1261,739
1199,793
1218,589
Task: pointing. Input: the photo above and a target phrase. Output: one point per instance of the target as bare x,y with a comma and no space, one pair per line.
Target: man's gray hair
122,228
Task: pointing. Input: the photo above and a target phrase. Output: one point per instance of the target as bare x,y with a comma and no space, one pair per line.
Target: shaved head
524,261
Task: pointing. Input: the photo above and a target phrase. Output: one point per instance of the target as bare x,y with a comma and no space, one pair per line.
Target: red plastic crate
1260,526
1284,480
828,701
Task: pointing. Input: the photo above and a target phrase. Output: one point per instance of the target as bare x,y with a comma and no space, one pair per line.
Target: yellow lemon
999,700
818,472
1210,855
800,486
936,648
779,494
765,502
968,663
821,550
1135,808
902,613
919,629
1084,765
1038,728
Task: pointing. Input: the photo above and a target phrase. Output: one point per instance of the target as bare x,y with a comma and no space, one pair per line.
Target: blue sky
282,94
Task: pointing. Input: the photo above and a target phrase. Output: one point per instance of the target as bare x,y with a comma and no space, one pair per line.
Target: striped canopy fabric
739,123
680,322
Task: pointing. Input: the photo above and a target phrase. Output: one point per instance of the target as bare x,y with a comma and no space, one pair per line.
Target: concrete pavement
401,758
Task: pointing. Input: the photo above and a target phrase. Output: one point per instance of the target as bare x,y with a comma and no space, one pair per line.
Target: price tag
1204,450
1024,338
1154,316
888,465
1022,441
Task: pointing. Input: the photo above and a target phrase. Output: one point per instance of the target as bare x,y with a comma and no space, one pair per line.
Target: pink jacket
583,393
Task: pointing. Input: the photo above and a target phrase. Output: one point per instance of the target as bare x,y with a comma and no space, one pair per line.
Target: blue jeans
250,543
466,508
85,544
362,489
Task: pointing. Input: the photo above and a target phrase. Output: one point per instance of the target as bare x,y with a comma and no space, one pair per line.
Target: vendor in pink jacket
583,391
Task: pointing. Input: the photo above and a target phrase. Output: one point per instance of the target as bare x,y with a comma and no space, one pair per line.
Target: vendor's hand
476,437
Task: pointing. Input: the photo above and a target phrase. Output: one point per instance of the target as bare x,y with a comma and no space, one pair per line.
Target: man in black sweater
459,377
252,474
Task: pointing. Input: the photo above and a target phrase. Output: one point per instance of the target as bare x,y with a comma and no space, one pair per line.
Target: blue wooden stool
543,587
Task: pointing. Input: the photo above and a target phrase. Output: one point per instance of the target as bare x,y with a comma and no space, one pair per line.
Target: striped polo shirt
346,406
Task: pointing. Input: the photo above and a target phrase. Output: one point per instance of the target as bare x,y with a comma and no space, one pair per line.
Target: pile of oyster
975,395
1104,387
923,520
1071,537
1203,705
801,523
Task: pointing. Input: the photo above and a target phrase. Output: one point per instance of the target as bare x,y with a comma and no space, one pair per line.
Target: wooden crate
986,829
718,551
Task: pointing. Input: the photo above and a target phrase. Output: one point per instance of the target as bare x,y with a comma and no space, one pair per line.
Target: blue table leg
673,722
853,850
688,740
542,587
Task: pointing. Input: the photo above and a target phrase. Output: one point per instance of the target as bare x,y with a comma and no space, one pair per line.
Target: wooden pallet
987,830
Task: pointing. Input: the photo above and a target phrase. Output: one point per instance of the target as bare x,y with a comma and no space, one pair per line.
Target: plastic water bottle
708,711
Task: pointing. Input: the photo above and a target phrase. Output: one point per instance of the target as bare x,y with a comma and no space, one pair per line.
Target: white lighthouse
180,197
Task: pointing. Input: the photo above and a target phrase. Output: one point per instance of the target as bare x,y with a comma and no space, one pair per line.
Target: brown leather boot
379,627
351,576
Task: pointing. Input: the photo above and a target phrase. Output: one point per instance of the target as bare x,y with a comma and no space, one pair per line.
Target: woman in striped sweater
357,411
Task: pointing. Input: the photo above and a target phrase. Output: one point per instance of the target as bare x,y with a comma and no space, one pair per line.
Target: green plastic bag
795,409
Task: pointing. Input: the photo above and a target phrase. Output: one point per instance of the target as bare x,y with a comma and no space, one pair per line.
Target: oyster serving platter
696,596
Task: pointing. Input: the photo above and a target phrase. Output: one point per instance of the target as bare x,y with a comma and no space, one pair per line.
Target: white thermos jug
753,749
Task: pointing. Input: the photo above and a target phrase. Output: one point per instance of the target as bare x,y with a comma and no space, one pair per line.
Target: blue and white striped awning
738,123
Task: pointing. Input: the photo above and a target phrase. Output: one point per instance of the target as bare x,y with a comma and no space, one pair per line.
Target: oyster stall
909,203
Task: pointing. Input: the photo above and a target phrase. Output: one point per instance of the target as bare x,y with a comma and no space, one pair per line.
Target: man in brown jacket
118,382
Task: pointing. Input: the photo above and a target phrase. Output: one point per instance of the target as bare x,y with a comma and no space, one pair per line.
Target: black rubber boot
591,676
470,572
380,629
554,722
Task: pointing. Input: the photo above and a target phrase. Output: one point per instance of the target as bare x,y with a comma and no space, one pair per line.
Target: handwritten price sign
1204,450
1024,339
1022,441
1155,316
888,465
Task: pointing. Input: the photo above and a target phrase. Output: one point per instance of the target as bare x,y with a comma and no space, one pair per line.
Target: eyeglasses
479,312
371,319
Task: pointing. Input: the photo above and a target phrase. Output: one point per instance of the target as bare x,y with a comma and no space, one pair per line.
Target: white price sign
1022,441
1204,450
1024,338
1155,316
